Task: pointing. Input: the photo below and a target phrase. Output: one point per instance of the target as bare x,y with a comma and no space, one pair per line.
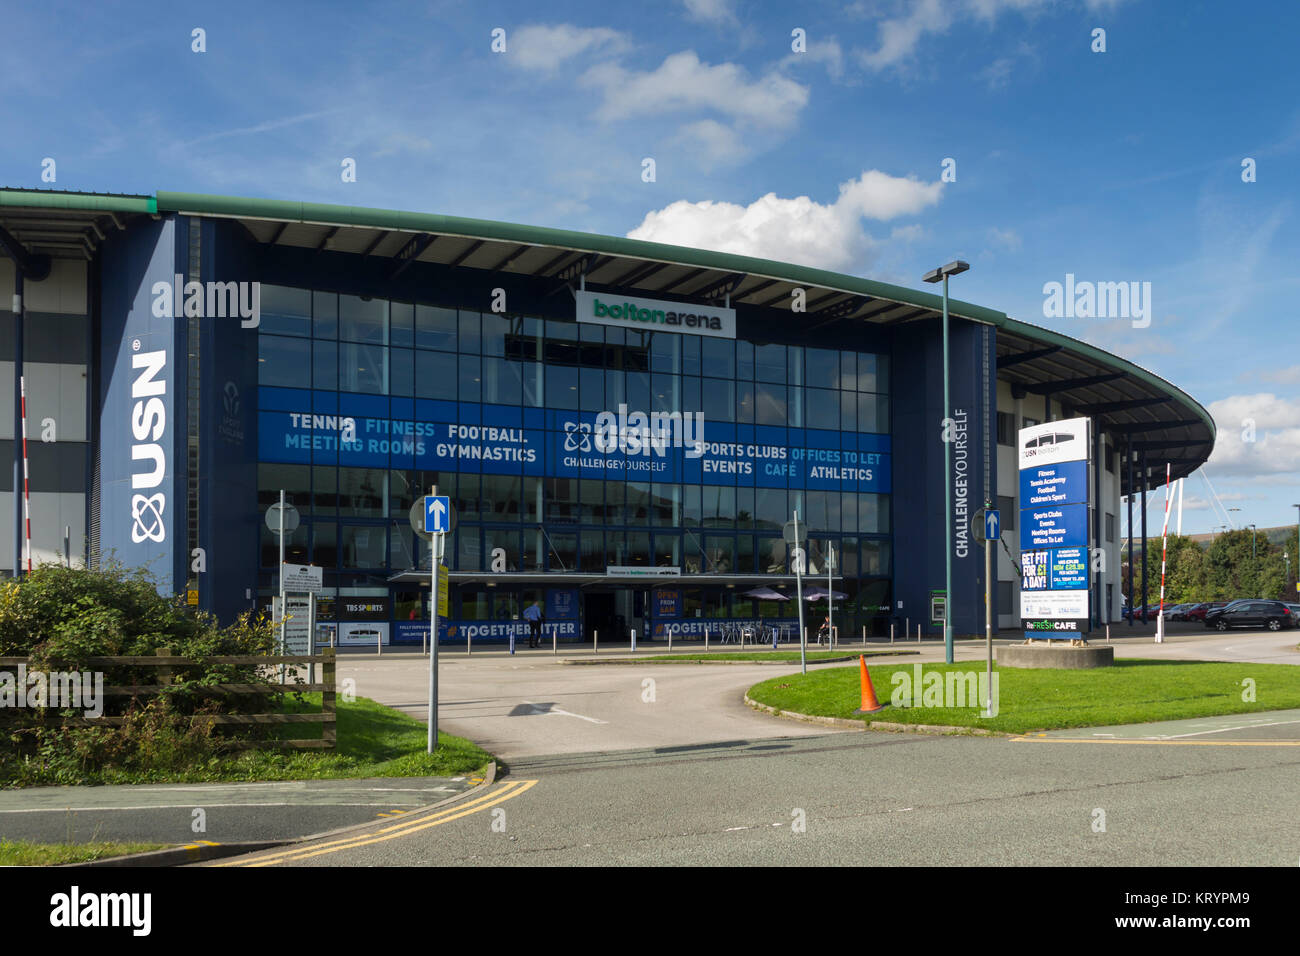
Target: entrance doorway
599,615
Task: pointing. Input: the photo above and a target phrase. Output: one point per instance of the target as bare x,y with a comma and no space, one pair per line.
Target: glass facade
485,407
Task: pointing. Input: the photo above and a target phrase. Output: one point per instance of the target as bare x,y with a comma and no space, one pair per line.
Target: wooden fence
167,666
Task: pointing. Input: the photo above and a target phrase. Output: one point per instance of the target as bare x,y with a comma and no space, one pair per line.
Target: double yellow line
408,825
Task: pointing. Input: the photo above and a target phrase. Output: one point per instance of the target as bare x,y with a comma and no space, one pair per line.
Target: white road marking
562,713
1220,730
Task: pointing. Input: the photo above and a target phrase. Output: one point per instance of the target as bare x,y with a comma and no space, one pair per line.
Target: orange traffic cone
869,703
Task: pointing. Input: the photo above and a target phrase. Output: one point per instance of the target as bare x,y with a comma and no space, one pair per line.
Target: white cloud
1283,376
541,47
1274,425
712,143
899,36
826,235
683,83
710,11
1008,239
827,52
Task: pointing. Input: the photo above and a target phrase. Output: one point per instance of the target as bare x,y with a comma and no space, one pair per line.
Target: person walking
534,616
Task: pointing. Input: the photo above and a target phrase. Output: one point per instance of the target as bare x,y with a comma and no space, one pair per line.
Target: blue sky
1123,165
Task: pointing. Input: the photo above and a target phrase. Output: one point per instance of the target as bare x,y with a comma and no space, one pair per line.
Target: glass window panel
692,506
719,399
721,553
592,551
363,547
591,390
771,554
475,604
794,365
294,480
666,505
471,339
295,546
507,540
664,393
564,552
745,554
561,387
638,502
769,362
401,317
285,311
435,375
469,549
870,520
496,326
561,499
848,411
325,315
532,501
719,356
719,506
770,405
363,367
745,361
467,491
325,365
638,391
668,550
691,400
615,502
744,402
876,558
873,413
363,319
325,543
849,371
638,549
503,381
401,372
849,512
691,355
823,409
501,495
823,367
363,492
744,507
435,328
283,361
770,508
795,416
591,501
324,490
562,331
666,352
471,377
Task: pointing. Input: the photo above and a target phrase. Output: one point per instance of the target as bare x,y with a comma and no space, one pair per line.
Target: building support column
1128,460
1142,464
20,312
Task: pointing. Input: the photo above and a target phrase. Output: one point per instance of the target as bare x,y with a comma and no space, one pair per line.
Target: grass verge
1130,692
373,741
23,853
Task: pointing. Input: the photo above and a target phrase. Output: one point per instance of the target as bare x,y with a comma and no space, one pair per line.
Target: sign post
992,531
797,557
282,519
437,519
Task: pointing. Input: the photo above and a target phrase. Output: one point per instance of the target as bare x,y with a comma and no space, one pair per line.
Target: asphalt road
599,775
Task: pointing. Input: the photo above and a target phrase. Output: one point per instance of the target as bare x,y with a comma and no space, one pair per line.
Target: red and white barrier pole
1164,551
27,497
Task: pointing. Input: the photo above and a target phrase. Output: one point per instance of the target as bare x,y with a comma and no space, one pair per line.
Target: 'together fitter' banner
1054,494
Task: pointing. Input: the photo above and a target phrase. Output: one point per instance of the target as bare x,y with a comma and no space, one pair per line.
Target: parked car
1199,611
1273,615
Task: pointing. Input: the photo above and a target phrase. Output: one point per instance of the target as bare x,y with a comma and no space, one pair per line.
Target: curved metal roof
1133,404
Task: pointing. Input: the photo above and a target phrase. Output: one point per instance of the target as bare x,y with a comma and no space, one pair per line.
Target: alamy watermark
61,690
949,690
639,433
1098,300
208,300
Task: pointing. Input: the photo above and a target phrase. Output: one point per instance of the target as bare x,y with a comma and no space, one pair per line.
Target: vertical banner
1054,499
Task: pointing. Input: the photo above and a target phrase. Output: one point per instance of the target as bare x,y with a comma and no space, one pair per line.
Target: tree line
1223,571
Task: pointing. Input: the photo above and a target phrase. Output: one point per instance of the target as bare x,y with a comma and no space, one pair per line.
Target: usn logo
148,424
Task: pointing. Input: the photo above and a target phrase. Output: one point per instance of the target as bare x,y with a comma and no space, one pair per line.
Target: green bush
60,618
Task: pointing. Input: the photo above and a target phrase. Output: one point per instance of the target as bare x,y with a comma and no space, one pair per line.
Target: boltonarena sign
653,315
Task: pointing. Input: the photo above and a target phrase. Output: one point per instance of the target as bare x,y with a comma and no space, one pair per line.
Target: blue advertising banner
410,632
498,632
1043,485
1069,569
561,604
695,627
450,436
667,602
1054,527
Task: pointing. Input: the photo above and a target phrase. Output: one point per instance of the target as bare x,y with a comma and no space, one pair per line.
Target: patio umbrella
765,594
819,594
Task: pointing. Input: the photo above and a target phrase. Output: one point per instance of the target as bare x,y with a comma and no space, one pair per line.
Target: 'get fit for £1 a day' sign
1053,459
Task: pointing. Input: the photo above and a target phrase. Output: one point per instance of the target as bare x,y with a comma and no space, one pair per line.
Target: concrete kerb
203,852
882,725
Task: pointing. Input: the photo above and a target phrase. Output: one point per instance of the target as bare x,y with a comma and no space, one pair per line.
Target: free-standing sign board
1054,498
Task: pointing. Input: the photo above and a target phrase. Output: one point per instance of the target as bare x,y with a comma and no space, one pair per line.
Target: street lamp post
934,275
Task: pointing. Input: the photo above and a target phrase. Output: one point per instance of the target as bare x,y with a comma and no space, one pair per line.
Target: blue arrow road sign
437,513
992,519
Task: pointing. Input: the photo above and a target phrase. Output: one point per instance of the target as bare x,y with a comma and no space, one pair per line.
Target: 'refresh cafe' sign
654,315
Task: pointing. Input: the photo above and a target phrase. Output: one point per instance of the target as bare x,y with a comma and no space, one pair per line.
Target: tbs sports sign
1054,595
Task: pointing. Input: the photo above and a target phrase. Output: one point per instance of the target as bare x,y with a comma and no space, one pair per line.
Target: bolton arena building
187,357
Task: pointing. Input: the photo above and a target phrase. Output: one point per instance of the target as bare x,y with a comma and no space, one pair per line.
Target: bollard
467,650
918,633
864,634
907,628
555,638
424,641
1108,633
634,640
379,643
595,641
706,637
670,637
891,633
